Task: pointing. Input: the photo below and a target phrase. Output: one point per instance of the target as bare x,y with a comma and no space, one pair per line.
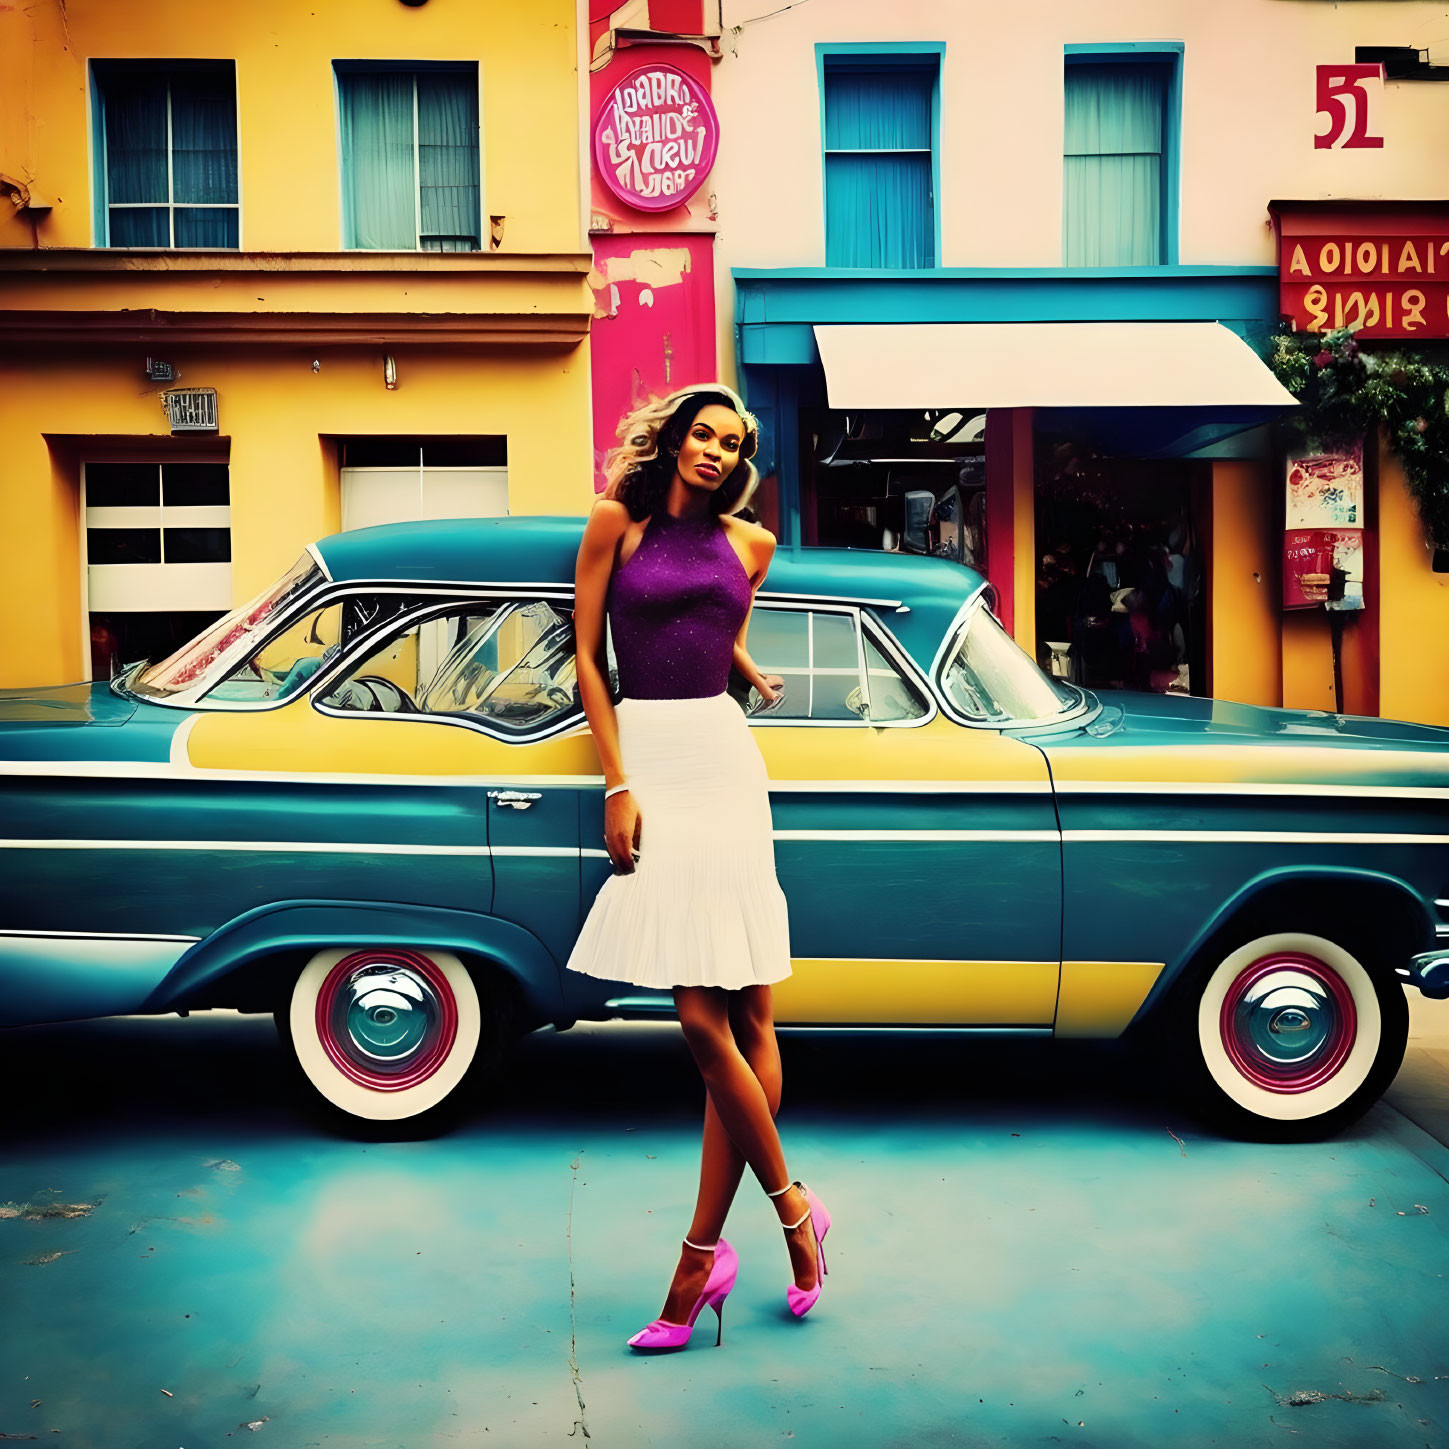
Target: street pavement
1031,1247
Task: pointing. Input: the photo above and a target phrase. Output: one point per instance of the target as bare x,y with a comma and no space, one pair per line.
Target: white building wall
1248,120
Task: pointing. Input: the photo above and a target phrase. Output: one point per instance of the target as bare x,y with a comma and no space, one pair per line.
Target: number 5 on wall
1343,96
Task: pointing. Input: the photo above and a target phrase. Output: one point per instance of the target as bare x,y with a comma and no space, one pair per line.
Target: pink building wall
654,327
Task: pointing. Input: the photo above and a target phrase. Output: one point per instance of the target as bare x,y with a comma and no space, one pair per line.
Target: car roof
542,550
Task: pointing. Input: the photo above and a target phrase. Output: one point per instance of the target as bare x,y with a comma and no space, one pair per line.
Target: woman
694,903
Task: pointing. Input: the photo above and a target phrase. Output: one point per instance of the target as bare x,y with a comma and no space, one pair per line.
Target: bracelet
614,790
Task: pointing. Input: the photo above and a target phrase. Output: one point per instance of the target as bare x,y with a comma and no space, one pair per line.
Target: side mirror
916,524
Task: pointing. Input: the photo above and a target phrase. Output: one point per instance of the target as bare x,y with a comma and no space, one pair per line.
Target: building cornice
348,263
78,296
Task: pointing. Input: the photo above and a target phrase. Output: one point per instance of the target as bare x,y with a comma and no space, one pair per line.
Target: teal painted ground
1022,1254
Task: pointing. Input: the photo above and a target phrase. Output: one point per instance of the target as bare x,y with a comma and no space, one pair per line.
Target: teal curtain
203,161
448,161
1113,161
379,185
135,115
879,210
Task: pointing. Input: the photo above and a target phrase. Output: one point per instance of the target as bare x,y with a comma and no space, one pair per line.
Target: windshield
207,657
988,677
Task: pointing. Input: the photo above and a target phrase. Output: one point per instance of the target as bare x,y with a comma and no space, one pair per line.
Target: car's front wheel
1290,1036
383,1034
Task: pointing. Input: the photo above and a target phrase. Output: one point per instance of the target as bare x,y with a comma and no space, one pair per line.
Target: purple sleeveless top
675,608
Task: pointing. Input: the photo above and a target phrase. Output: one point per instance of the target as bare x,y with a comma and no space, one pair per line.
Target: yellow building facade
290,270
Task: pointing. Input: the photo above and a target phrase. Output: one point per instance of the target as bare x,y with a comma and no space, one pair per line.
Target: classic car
368,801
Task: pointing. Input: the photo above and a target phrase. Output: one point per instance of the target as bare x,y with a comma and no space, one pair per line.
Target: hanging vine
1348,391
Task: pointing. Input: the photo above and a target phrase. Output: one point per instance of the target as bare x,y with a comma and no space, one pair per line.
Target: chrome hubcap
388,1019
387,1016
1288,1022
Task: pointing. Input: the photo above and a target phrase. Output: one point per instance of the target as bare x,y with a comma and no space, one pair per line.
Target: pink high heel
661,1336
802,1300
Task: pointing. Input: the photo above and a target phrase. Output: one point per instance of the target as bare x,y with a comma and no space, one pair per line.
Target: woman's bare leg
732,1037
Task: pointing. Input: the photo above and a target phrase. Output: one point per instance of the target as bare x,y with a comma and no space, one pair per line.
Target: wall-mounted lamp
389,372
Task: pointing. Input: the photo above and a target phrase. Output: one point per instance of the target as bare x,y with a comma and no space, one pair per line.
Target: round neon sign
655,138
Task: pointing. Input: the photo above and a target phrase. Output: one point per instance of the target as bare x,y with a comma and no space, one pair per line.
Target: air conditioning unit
191,409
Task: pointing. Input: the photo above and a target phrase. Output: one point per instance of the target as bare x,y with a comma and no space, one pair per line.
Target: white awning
1045,365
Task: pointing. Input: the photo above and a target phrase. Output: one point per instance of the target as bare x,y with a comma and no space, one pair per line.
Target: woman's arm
606,526
762,543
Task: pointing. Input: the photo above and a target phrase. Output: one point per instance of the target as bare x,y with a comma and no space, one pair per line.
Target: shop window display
901,481
1119,574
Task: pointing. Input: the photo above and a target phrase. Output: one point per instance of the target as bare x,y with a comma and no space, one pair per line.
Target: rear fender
1402,918
288,927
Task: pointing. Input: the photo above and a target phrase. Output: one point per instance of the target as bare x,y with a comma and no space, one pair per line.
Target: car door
920,858
503,677
431,758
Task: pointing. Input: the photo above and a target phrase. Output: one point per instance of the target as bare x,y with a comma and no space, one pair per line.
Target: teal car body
368,801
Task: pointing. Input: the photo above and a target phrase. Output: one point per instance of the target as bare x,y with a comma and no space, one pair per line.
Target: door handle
514,799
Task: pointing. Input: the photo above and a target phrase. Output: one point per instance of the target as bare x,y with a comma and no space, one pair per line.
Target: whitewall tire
1294,1035
384,1033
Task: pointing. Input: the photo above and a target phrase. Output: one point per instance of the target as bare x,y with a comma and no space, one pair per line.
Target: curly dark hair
642,467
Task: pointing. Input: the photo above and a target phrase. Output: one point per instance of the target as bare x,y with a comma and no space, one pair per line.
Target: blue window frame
410,156
1120,151
880,128
164,134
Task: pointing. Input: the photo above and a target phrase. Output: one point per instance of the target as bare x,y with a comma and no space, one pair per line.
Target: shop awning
1047,365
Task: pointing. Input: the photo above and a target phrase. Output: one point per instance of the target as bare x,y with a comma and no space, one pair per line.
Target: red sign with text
1343,99
1383,280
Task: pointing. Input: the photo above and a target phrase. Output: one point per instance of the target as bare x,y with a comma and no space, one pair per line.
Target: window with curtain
169,169
1113,164
410,177
879,207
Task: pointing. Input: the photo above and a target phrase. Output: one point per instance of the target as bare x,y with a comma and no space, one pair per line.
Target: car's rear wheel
1291,1036
383,1034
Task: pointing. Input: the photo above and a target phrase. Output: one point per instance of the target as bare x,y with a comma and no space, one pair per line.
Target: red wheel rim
1288,1022
386,1019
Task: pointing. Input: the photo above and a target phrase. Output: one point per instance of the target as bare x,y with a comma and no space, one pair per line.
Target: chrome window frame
1086,706
884,640
513,599
330,593
439,597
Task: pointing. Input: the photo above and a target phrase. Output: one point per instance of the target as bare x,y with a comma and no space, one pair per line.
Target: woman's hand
621,830
771,689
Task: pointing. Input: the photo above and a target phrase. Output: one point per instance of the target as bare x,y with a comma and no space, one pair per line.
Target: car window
283,665
285,661
508,665
213,652
988,677
819,654
892,695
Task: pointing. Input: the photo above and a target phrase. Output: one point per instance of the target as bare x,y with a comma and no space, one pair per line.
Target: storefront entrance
1120,576
906,481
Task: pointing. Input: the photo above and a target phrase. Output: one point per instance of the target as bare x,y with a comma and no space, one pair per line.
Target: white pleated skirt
703,906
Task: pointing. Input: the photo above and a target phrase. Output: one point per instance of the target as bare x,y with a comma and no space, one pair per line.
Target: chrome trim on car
146,770
317,559
100,936
1086,708
1251,837
908,836
338,847
911,787
1196,787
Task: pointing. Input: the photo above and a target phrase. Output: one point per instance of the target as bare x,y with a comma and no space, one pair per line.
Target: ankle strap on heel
702,1247
781,1191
